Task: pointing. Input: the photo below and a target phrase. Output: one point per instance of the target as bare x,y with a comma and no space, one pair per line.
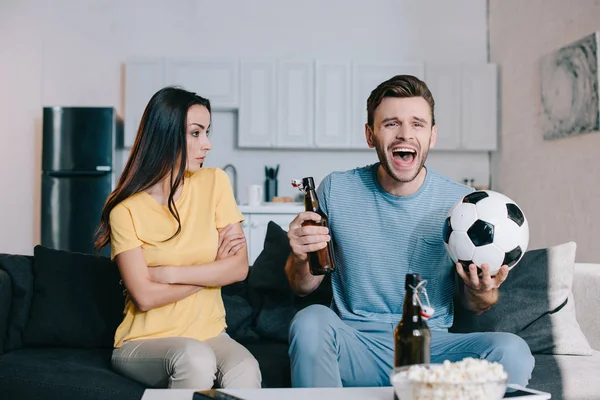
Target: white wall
556,182
70,52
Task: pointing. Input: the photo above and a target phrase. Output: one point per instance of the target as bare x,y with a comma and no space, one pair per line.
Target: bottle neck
411,309
311,202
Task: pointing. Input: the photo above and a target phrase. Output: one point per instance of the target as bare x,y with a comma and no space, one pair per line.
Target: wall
556,182
70,52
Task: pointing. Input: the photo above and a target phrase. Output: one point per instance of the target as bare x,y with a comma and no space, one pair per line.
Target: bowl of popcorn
469,379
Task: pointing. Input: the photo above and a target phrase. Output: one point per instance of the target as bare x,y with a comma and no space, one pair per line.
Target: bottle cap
308,182
412,280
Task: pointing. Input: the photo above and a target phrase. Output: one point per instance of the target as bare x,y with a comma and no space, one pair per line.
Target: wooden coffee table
363,393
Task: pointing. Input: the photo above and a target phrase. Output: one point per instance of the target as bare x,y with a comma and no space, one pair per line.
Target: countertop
273,208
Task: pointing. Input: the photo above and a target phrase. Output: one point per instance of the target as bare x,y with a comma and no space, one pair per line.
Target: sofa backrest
62,299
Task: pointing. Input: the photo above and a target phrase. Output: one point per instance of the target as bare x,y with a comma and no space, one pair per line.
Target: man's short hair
399,86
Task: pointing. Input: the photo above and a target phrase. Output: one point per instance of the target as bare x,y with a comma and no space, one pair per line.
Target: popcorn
469,379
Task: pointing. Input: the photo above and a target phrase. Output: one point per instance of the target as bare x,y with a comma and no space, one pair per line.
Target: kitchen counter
273,208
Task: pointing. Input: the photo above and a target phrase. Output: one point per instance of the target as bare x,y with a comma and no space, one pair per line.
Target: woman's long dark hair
160,143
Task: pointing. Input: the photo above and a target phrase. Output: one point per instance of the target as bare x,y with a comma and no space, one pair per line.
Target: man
385,221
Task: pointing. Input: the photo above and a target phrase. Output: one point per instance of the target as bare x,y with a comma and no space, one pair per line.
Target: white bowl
414,389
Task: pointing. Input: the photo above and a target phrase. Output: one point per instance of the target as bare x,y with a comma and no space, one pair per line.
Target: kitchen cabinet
318,104
444,83
277,104
213,78
143,78
295,104
333,104
256,124
257,219
465,105
216,79
479,99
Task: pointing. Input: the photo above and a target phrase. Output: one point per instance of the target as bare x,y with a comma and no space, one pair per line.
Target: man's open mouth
404,156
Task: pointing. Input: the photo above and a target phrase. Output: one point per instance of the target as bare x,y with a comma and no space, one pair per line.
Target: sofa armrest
586,281
5,297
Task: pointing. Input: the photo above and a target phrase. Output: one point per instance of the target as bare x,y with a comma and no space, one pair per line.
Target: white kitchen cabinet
212,78
257,219
333,104
256,122
444,83
365,78
276,104
317,104
295,104
465,105
479,95
143,78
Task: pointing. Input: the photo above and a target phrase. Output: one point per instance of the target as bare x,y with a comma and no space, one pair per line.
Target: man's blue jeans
328,352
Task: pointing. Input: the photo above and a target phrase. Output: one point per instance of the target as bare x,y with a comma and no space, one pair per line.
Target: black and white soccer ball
486,227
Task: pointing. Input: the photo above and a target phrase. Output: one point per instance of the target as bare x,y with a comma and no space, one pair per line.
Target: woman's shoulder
129,205
215,176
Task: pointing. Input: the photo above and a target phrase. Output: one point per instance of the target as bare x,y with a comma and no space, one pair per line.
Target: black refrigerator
78,155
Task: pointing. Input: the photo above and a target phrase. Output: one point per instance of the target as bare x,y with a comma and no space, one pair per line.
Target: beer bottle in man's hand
320,261
412,335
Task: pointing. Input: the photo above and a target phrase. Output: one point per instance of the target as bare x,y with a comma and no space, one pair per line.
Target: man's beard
387,163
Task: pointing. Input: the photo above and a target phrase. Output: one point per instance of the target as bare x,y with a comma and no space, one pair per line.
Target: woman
175,234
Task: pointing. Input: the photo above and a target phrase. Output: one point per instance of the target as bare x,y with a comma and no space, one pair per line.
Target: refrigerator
78,155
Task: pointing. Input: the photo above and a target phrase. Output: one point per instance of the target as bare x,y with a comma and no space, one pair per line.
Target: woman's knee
194,365
245,374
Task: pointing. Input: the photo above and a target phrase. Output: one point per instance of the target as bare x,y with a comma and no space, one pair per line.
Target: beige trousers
179,362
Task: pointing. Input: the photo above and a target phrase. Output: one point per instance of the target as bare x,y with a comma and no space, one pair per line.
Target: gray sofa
576,377
552,303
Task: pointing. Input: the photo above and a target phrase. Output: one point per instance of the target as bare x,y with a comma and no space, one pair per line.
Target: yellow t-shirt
205,204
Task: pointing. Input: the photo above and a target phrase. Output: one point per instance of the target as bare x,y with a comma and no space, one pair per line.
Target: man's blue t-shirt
378,238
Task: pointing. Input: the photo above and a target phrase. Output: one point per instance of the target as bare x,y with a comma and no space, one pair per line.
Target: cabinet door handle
254,225
245,224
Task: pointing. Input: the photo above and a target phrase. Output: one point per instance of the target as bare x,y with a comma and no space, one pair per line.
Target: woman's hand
229,242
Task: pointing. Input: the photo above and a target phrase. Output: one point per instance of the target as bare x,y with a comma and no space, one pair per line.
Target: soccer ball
486,227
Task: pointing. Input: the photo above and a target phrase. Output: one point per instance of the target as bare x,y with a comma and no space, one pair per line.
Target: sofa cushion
274,363
63,374
78,300
270,291
535,303
567,377
20,270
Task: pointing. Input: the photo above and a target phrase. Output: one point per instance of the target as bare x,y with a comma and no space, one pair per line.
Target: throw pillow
20,270
270,292
238,312
77,302
268,269
535,303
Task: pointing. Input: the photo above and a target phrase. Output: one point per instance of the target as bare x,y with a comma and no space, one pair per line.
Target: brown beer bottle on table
320,261
412,337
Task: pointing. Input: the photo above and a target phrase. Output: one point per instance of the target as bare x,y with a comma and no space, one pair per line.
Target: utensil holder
270,189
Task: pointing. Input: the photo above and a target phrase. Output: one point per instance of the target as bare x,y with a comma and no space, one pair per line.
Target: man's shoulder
444,184
350,176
